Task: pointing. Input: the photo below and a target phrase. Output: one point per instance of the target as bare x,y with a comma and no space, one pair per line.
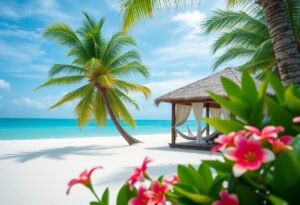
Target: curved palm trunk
283,40
130,140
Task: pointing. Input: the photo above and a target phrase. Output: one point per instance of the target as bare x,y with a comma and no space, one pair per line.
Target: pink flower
296,120
227,199
157,194
248,155
174,180
226,141
84,179
266,133
281,144
139,173
141,199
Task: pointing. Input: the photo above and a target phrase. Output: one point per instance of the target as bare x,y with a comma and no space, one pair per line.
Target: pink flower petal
252,129
296,120
268,156
286,139
238,170
229,153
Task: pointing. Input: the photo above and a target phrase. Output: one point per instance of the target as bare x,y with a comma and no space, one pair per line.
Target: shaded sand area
36,172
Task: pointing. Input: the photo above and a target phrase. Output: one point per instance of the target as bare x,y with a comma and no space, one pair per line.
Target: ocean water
18,129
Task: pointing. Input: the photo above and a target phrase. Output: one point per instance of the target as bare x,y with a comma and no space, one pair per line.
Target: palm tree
275,11
99,66
246,36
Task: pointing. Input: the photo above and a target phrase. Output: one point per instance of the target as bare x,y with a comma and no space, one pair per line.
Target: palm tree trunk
130,140
283,40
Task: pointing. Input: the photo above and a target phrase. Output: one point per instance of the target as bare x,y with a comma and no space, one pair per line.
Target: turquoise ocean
19,129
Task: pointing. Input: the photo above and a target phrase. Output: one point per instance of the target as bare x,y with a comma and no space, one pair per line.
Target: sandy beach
36,172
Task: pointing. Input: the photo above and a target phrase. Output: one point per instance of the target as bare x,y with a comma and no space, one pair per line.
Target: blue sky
172,45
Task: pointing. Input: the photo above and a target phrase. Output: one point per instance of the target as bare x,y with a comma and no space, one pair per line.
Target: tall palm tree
246,35
99,66
275,12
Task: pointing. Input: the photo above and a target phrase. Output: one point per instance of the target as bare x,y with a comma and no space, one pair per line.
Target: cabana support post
173,129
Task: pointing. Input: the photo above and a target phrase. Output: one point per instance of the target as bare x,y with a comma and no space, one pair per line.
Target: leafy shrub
261,155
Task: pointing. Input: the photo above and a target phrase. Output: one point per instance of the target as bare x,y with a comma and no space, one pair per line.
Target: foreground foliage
261,155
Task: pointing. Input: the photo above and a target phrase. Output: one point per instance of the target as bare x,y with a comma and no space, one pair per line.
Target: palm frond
115,46
131,68
99,110
227,20
63,68
67,80
119,108
63,34
293,10
135,11
78,93
123,59
233,53
132,87
126,98
239,37
84,108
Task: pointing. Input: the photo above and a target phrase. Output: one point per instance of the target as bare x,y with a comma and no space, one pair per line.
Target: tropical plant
100,65
261,161
245,35
278,22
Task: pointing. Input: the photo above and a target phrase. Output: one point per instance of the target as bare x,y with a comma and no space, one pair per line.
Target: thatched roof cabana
195,97
197,91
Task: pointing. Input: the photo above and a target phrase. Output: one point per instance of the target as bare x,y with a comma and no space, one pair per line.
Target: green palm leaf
62,81
99,110
100,63
63,68
84,108
131,68
78,93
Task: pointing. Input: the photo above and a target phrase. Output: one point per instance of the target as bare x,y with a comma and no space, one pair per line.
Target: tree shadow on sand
59,153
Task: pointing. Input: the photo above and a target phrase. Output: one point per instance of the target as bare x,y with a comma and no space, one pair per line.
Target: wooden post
207,116
173,131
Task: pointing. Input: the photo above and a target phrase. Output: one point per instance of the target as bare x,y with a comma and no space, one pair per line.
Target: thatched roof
197,91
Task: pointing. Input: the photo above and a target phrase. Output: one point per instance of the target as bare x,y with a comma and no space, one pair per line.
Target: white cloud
190,24
191,19
184,53
4,85
30,103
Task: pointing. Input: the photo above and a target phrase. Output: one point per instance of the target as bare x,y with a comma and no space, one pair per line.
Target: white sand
36,172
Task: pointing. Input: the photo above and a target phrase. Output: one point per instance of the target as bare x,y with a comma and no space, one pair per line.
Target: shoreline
37,171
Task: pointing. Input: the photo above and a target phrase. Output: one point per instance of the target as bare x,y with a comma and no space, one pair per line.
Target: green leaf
105,197
231,88
237,109
190,177
224,126
246,195
206,175
95,203
218,165
216,187
279,115
278,87
249,88
199,198
125,194
292,100
277,201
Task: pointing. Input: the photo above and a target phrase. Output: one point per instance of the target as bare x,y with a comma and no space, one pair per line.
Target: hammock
190,135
